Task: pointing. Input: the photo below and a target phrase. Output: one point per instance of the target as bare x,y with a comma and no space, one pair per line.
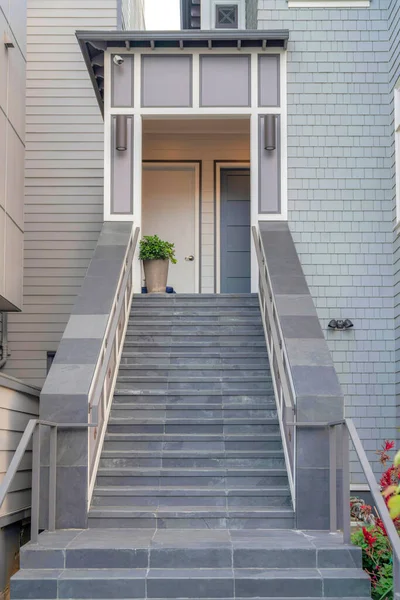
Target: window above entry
329,3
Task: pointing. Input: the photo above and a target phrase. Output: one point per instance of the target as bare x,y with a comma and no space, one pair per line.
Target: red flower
386,478
383,454
368,537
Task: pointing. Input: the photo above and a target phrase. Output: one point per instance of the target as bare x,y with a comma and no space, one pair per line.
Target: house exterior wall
340,196
394,74
12,151
206,147
64,177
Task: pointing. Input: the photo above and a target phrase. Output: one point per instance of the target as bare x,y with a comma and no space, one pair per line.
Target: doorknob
189,258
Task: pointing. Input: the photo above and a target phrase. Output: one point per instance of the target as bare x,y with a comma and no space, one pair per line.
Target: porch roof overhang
93,44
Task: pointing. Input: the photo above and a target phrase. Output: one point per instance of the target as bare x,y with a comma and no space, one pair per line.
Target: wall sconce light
340,324
121,132
270,132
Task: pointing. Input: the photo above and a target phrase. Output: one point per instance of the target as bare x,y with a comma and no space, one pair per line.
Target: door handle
189,258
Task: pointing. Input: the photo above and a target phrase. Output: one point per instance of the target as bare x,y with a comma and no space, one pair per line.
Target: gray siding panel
64,176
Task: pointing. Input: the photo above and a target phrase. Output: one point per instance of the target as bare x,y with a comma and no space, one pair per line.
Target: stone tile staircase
192,497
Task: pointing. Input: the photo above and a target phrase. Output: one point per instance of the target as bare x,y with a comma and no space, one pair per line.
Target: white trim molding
397,147
329,3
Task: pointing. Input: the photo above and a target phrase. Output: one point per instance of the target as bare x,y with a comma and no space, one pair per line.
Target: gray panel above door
225,80
235,231
166,81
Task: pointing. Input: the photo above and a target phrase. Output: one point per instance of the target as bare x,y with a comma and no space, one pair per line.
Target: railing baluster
346,484
332,480
52,478
35,484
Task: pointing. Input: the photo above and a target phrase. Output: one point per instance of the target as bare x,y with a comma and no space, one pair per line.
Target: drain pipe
4,340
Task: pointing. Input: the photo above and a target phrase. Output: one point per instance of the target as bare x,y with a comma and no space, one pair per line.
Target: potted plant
156,254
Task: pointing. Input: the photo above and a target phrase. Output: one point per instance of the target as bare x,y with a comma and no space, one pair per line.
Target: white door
169,210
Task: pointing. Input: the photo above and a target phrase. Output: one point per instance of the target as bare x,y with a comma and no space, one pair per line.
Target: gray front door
235,231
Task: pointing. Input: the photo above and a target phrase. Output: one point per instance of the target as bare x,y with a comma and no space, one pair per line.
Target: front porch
196,194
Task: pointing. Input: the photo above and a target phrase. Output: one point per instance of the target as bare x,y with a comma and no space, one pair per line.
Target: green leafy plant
153,248
371,536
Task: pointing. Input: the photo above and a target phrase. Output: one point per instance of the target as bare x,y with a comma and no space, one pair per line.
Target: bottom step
190,583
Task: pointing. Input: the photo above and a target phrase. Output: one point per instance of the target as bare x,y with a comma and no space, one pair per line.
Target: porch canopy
94,43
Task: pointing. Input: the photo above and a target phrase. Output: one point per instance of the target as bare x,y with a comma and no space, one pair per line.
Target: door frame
171,165
218,166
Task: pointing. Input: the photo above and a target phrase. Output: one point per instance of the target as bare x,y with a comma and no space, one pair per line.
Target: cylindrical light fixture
121,132
270,132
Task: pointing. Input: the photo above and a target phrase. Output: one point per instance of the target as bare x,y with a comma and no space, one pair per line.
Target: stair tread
202,573
193,453
192,406
242,393
189,471
181,490
205,511
196,436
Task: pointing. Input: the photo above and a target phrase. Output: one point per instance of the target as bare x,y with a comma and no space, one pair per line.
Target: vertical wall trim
254,191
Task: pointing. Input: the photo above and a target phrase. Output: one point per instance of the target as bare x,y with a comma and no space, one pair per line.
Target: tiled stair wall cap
64,397
318,394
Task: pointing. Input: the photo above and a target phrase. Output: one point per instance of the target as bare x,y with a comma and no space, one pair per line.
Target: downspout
4,340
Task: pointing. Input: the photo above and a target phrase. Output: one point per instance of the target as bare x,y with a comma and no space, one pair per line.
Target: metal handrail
33,433
104,379
283,385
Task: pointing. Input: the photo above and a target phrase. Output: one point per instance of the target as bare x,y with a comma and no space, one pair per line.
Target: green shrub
152,248
377,559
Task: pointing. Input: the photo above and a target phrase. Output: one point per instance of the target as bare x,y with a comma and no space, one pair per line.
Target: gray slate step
188,583
189,497
188,441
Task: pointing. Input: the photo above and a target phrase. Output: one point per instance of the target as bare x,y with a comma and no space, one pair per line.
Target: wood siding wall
18,404
206,147
64,176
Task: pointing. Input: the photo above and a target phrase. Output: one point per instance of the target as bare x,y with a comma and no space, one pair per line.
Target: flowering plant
372,537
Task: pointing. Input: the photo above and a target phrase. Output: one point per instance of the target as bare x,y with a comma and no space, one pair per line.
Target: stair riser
190,371
186,463
218,319
191,523
264,401
142,385
232,502
192,445
186,558
207,428
179,328
169,339
253,362
132,413
191,588
198,482
196,346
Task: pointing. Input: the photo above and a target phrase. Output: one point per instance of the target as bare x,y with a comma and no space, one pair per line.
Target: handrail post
346,484
35,484
332,480
52,478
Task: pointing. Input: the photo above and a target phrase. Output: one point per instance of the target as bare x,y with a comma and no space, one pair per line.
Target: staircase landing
147,563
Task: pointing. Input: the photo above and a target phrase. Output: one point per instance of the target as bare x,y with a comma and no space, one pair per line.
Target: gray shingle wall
340,194
394,74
